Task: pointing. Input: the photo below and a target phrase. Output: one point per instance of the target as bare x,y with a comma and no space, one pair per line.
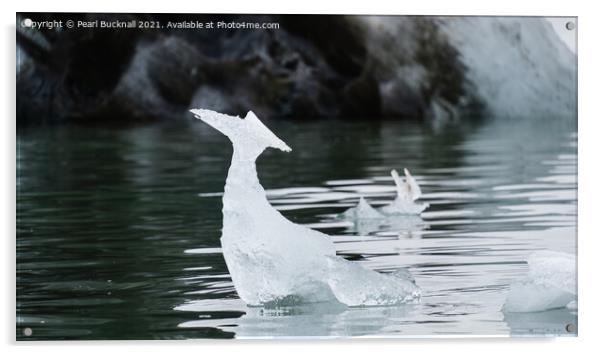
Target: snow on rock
517,65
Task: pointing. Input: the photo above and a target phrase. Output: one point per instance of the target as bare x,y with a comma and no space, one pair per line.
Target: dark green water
118,228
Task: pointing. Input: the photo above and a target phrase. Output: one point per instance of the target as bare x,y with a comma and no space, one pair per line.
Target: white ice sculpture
273,260
550,283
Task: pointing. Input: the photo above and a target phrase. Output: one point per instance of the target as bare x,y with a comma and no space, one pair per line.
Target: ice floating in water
408,192
549,284
355,285
272,260
362,210
572,305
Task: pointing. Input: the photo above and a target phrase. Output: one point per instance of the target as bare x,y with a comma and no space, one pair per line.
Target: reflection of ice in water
407,226
309,320
365,220
553,322
437,315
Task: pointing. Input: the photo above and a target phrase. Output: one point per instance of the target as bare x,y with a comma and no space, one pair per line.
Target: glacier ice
572,305
514,63
408,191
362,210
550,283
355,285
273,260
366,219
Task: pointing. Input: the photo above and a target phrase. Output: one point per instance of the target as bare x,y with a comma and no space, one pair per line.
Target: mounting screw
571,328
570,25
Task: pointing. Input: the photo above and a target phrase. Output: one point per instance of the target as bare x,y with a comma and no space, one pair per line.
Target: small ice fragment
362,210
572,305
532,297
408,192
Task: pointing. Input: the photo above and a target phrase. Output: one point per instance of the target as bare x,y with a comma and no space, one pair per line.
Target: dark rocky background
312,67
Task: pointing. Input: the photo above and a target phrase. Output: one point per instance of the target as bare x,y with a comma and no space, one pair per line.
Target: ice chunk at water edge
550,283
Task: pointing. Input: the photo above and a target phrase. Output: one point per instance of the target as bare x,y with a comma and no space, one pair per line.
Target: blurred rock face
354,67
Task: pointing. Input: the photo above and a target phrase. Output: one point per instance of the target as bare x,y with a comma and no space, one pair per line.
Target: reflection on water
405,225
118,229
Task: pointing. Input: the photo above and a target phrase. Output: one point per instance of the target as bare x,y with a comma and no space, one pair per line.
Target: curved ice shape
550,283
408,192
355,285
273,260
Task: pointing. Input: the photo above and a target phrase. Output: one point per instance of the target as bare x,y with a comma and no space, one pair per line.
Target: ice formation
408,192
272,260
550,283
362,210
514,63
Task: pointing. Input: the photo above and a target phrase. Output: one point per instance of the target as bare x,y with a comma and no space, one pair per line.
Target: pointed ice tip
199,113
271,139
249,130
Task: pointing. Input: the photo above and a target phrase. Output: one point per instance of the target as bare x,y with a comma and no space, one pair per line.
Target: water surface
118,228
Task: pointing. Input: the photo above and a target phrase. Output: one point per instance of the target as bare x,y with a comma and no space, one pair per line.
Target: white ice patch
362,210
401,206
572,305
355,285
515,63
408,191
550,283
